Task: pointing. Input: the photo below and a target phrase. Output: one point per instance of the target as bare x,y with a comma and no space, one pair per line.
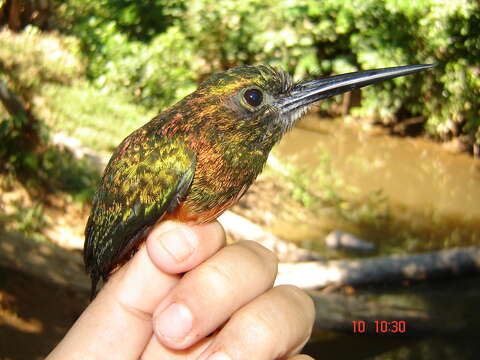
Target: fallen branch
334,311
444,263
64,267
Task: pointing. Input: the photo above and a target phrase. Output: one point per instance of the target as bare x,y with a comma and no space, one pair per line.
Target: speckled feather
144,180
189,163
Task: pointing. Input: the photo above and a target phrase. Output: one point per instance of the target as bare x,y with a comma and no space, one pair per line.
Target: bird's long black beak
308,92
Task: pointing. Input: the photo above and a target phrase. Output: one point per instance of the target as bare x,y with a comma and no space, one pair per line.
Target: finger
177,254
208,295
275,325
157,351
119,320
301,357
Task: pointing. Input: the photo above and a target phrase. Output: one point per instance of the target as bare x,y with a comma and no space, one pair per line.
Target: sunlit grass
99,120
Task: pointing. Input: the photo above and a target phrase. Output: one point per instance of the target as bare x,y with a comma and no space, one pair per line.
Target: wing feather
144,179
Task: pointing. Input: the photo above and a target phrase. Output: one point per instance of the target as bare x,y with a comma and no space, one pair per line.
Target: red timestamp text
379,326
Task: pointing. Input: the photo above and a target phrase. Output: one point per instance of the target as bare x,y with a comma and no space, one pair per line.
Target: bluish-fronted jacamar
198,157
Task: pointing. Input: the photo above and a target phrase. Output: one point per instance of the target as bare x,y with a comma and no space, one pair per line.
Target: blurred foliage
28,220
48,168
99,120
158,50
114,59
31,59
30,62
138,20
17,14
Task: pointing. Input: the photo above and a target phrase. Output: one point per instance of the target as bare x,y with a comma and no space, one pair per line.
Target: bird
198,157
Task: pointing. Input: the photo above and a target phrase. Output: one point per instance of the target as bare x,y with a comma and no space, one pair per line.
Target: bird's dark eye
253,97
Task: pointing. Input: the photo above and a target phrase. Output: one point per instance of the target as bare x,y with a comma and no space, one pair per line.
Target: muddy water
431,198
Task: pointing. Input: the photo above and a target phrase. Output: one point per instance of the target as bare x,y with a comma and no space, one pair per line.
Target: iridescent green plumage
198,157
192,153
144,179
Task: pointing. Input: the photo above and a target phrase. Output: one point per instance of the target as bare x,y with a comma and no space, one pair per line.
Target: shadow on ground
34,315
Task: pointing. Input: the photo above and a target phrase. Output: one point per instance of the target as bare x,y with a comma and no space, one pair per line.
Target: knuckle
218,277
262,255
302,300
214,232
260,327
132,310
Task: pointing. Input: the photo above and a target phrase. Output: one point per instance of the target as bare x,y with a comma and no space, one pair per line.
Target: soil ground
34,315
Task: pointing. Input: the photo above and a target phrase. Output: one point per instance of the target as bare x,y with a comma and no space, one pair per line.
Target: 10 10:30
381,326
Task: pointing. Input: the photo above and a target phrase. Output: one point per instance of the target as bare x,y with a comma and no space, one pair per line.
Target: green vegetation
29,221
95,70
32,62
98,119
159,62
109,61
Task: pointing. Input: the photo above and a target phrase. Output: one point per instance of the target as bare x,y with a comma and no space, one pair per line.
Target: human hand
148,310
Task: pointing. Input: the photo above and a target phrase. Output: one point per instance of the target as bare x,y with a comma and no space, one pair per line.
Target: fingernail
179,243
174,323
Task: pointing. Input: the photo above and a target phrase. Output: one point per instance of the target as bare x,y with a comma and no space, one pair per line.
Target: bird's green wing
144,179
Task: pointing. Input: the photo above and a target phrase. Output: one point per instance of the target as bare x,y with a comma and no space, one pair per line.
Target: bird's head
260,103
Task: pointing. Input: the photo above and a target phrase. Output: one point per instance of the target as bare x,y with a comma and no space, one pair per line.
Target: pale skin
186,295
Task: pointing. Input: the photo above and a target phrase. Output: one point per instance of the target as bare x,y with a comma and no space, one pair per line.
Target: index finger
119,321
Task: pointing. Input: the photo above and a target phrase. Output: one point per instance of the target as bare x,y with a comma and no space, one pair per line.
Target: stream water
416,196
424,198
